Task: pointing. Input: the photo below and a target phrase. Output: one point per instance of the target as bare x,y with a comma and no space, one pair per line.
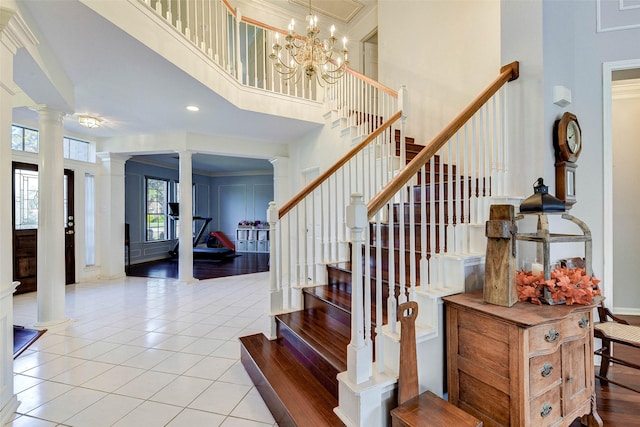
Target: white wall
571,52
444,51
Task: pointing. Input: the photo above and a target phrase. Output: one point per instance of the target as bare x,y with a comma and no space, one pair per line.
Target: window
156,217
76,150
26,199
89,220
24,139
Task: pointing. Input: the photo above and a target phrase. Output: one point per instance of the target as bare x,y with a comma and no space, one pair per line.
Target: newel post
275,291
359,357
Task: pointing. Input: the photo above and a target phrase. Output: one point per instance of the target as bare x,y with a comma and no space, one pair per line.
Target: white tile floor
144,352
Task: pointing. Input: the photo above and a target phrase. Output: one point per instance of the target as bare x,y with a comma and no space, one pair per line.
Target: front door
25,226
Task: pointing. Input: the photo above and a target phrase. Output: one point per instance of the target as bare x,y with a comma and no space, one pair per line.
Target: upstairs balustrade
240,46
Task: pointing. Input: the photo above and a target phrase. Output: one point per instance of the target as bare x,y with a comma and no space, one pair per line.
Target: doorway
25,226
621,104
370,56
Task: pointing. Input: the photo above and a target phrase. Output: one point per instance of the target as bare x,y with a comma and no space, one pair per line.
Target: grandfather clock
567,141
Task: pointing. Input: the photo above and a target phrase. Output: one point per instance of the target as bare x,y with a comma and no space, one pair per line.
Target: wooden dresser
525,365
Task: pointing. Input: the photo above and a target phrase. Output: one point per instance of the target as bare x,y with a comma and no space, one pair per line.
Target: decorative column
51,253
279,235
14,34
110,202
185,233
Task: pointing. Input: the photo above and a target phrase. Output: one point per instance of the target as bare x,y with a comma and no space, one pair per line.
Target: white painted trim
599,27
607,165
623,7
627,311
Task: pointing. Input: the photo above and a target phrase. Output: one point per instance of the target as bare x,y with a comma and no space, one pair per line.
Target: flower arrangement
245,223
569,285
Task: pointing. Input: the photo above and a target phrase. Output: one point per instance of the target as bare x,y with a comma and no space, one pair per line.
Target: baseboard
626,311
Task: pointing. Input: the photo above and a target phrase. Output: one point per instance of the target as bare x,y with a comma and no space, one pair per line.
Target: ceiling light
89,121
192,108
309,55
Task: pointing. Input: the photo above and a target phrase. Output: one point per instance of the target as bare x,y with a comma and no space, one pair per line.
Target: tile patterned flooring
144,352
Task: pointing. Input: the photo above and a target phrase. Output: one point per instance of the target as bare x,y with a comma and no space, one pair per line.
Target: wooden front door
25,226
69,229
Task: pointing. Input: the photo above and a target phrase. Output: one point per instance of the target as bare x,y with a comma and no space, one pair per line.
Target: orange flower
571,285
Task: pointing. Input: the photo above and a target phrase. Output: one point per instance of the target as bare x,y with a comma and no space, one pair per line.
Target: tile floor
144,352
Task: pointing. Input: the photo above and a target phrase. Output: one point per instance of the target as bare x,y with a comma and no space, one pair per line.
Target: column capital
46,113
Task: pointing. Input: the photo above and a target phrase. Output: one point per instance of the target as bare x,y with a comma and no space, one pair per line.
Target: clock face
573,137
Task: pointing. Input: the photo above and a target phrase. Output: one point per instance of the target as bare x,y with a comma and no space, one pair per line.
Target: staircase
302,364
333,357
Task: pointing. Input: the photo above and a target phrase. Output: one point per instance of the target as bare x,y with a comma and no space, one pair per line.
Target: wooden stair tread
326,335
338,295
292,394
427,409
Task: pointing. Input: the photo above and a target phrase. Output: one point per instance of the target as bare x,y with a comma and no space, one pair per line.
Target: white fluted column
51,253
14,34
185,233
110,200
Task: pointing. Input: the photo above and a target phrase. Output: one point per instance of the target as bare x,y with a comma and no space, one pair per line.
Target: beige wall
626,204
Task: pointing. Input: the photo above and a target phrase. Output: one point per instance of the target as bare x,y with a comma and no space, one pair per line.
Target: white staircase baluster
359,356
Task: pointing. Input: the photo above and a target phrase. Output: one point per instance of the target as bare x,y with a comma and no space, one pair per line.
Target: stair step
383,239
405,209
434,189
334,298
292,394
319,341
340,274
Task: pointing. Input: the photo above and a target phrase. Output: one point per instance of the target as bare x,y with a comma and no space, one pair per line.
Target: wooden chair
615,331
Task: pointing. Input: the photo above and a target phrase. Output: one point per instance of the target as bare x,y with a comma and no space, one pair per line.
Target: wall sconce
89,121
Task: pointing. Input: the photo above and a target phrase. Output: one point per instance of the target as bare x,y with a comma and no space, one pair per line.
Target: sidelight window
156,209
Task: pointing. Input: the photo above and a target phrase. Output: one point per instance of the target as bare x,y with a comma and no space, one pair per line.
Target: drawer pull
552,336
584,322
570,380
546,370
546,410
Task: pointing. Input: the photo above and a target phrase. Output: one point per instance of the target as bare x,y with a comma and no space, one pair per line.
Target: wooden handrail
319,180
508,73
372,82
229,7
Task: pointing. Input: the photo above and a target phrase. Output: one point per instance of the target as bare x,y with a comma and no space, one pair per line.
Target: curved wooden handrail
229,7
372,82
508,73
319,180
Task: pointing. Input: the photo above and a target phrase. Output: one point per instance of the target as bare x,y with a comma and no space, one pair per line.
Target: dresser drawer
546,409
544,372
549,336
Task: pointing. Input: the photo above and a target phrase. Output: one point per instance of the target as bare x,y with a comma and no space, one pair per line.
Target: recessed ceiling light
192,108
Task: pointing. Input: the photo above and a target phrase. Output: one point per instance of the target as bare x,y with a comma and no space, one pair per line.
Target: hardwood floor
617,406
240,263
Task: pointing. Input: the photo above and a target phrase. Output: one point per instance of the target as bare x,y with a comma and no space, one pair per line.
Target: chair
616,331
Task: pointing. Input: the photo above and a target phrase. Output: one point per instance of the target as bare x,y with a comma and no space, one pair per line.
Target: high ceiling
133,89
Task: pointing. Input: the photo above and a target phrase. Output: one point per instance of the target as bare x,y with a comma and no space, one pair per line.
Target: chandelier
308,55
